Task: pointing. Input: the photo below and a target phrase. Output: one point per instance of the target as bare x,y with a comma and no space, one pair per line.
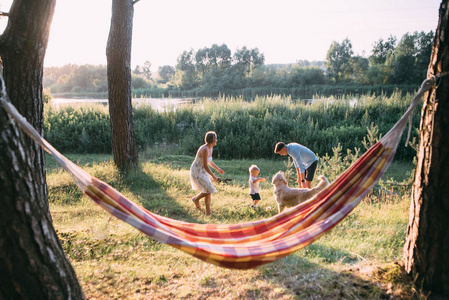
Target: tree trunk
32,261
426,251
22,50
118,54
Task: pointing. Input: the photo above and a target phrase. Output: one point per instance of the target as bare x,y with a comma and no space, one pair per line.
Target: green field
115,261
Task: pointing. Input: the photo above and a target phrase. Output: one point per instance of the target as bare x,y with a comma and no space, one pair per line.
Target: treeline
246,129
214,71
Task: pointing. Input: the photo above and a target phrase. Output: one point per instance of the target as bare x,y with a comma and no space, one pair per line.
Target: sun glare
285,31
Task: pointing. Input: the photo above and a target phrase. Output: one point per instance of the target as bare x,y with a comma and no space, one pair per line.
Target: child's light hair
253,168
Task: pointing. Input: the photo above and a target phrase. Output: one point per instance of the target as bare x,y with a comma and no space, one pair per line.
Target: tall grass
79,129
246,129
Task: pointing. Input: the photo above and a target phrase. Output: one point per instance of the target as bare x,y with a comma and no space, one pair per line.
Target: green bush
246,129
85,129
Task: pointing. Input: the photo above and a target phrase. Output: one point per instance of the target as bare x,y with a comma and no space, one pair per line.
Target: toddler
254,185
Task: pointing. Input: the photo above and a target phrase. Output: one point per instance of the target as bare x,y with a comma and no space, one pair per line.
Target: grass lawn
357,259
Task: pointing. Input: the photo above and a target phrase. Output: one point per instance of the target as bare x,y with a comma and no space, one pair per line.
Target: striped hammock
246,245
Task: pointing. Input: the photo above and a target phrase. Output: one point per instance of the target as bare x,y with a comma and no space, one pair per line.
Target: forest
213,71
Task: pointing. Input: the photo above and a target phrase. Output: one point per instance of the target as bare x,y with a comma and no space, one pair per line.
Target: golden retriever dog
286,196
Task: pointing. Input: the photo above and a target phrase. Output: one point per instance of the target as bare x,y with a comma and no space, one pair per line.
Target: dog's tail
324,183
323,179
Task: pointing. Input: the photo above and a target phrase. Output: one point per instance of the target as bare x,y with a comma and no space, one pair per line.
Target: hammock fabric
246,245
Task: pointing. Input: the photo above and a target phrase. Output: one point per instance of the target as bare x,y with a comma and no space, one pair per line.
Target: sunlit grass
114,260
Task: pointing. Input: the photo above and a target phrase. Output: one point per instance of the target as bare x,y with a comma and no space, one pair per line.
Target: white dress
199,178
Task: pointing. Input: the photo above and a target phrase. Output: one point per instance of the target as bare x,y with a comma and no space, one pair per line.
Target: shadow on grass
153,196
304,275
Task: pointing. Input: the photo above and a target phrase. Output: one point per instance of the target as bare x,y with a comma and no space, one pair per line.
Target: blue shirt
302,156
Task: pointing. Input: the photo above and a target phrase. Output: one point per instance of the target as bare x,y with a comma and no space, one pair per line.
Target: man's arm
301,179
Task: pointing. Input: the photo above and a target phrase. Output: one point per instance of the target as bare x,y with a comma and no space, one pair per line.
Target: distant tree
71,78
146,70
303,63
166,73
306,76
427,245
215,57
246,60
186,70
359,67
32,262
262,76
53,74
118,54
88,77
403,63
411,57
378,74
218,80
381,49
202,61
424,43
138,82
338,61
223,56
137,70
186,61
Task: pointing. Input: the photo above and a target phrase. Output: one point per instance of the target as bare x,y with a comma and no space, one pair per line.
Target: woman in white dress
200,173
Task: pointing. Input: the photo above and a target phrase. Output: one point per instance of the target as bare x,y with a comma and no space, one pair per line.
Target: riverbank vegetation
215,71
246,129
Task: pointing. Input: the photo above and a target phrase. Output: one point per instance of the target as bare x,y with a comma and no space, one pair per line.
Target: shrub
246,129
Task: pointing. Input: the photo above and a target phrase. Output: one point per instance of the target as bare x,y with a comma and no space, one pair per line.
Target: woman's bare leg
207,201
197,198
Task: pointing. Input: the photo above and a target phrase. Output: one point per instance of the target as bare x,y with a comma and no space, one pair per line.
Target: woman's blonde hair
209,138
253,168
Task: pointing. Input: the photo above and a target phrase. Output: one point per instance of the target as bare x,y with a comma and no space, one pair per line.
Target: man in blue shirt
304,159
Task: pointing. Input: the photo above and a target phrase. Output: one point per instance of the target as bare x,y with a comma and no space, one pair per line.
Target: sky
285,31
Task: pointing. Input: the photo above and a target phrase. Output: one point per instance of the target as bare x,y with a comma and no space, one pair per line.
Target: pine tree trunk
22,50
32,261
426,251
119,85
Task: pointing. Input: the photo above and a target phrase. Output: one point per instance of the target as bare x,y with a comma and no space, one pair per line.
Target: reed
246,129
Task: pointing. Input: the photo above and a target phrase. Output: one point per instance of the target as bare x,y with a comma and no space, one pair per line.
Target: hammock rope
245,245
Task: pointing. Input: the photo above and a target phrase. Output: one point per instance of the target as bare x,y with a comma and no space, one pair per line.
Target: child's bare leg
255,202
207,201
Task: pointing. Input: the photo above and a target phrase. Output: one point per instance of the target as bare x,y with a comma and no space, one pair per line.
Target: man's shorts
310,172
255,196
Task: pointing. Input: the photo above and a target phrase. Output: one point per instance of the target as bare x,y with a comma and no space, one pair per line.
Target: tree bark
32,261
22,50
118,54
426,251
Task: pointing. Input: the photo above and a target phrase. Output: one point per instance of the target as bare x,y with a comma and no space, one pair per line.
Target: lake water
159,104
